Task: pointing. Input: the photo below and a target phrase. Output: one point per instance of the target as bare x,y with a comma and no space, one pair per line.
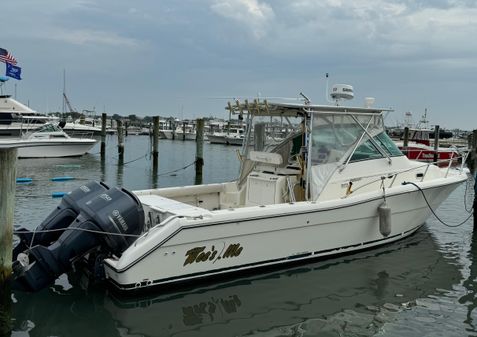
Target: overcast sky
179,58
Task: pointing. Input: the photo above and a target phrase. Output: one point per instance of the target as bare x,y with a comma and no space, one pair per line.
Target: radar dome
342,91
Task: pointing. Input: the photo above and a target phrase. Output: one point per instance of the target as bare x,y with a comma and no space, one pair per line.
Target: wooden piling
120,139
183,130
436,143
199,157
406,139
473,153
103,134
8,158
155,144
475,201
472,164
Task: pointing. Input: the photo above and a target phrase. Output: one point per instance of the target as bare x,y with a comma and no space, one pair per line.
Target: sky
186,58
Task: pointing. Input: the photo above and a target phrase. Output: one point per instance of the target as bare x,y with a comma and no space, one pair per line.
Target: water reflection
470,284
344,296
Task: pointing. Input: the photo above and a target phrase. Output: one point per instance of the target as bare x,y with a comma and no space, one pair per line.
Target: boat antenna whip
307,100
326,90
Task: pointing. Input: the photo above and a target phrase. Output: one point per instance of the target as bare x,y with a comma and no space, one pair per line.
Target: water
421,286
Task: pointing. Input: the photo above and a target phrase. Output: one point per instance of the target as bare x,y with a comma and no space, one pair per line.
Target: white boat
77,129
179,134
394,276
217,137
235,136
336,184
50,141
17,118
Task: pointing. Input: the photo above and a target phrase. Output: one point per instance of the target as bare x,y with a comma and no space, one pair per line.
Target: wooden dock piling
199,157
472,158
436,143
103,134
120,139
155,145
183,130
405,139
472,165
8,158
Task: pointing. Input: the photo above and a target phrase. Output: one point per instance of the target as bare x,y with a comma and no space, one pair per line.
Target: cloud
251,14
83,37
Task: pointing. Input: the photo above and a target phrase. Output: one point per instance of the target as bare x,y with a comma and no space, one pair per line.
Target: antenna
326,92
307,100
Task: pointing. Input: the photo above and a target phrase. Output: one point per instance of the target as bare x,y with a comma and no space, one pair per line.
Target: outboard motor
60,218
111,220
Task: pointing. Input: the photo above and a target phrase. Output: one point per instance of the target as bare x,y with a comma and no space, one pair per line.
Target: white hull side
217,139
234,140
269,235
40,149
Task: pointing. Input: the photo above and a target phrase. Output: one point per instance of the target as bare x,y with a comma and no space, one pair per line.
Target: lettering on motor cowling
202,254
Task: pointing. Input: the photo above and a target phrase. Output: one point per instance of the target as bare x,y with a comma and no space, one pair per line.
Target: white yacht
17,118
79,128
50,141
336,184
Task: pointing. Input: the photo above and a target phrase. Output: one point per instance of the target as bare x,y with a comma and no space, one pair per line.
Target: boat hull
50,149
424,153
237,141
216,139
264,236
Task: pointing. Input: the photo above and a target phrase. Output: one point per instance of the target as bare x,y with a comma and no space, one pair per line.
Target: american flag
6,57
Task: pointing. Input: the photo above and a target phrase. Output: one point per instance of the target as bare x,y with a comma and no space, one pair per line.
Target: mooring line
428,205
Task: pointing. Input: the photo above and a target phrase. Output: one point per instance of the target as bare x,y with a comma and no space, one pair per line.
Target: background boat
50,141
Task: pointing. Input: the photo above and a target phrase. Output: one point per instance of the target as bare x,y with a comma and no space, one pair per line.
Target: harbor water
424,285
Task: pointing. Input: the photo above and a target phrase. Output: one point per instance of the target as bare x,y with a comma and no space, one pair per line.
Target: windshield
337,137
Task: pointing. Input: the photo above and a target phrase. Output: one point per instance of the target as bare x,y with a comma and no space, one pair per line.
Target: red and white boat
419,148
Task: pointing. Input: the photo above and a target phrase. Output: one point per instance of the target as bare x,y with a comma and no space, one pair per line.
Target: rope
78,229
182,168
428,205
131,161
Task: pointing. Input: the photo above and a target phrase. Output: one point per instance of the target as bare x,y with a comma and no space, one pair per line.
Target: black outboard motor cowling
60,218
110,220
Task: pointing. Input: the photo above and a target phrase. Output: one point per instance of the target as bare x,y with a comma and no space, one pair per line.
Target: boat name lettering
201,254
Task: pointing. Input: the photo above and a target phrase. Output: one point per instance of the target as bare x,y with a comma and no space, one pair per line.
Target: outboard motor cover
61,217
111,220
